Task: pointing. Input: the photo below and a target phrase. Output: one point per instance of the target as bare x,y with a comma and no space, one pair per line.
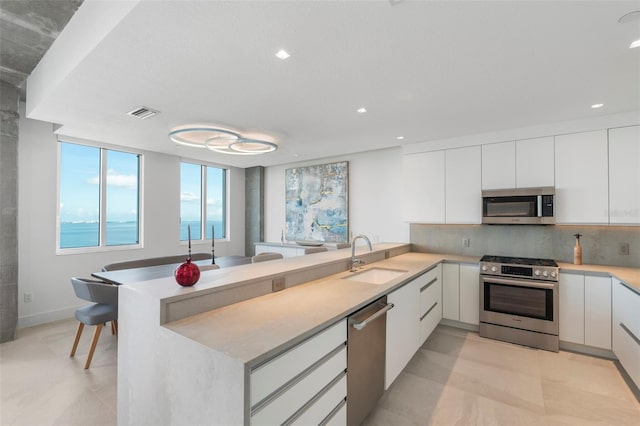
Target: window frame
102,232
203,202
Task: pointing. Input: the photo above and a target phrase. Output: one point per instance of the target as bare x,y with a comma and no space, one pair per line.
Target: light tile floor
41,385
456,378
459,378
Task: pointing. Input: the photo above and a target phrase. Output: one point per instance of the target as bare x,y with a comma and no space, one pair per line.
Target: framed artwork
317,203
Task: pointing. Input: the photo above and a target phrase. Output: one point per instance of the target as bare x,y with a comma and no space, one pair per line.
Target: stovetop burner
519,261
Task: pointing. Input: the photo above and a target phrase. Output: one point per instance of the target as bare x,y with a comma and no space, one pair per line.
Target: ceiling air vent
143,112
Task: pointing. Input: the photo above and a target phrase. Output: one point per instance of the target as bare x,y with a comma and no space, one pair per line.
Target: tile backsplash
601,245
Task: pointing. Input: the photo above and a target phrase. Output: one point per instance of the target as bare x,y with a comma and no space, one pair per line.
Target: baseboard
45,317
588,350
458,324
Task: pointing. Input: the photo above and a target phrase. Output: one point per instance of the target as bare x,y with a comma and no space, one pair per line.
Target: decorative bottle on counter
577,250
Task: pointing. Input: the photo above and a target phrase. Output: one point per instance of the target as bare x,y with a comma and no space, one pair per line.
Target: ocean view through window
99,197
197,183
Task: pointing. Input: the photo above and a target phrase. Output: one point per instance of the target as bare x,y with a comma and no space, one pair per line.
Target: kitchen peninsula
189,355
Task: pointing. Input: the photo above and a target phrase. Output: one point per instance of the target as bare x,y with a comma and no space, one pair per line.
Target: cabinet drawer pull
630,333
430,309
282,389
333,412
313,400
427,285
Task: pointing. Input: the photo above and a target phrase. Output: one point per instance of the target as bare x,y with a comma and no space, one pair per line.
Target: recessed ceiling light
634,44
362,110
282,54
400,138
594,106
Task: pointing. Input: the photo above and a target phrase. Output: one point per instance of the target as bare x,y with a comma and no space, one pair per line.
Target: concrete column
254,210
9,100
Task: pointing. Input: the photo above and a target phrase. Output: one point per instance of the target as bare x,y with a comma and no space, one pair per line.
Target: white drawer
429,322
430,292
627,349
275,373
321,408
287,403
339,418
628,304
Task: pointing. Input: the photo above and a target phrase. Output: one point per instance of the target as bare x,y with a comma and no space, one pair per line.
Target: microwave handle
539,203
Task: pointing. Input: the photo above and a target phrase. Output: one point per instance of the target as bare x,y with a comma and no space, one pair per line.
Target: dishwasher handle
362,324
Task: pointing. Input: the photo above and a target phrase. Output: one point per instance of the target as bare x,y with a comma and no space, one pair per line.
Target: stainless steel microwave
526,206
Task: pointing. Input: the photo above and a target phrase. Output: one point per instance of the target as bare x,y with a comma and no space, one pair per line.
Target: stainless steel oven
519,301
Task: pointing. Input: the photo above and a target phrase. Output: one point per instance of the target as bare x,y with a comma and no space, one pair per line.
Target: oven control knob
545,274
484,267
553,275
537,272
494,269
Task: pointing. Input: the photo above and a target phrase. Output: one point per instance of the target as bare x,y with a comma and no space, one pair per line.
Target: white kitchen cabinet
597,311
463,192
571,307
624,175
423,175
451,291
300,378
581,174
535,162
499,165
470,294
430,303
585,310
626,329
461,293
403,328
286,250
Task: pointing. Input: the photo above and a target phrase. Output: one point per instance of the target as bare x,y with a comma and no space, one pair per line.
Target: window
198,183
99,197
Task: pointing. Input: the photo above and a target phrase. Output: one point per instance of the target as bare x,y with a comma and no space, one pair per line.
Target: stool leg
94,342
114,324
113,328
77,339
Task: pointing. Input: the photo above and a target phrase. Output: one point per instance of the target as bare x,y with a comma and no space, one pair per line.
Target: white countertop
253,330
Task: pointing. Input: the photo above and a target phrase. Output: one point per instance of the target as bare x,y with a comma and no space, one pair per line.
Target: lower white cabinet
585,309
403,328
430,303
461,293
306,383
626,329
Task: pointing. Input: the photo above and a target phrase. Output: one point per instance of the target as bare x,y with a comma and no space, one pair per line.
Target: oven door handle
521,283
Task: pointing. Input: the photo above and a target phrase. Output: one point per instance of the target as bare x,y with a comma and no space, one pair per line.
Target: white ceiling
424,70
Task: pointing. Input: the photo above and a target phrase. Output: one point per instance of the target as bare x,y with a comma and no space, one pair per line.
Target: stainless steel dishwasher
366,345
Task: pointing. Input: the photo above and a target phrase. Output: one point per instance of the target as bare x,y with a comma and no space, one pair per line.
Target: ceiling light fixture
400,138
634,44
362,110
220,140
282,54
629,17
594,106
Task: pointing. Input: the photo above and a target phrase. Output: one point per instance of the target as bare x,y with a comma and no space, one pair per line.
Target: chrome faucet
355,262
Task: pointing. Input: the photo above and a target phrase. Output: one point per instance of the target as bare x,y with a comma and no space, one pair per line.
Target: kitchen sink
375,275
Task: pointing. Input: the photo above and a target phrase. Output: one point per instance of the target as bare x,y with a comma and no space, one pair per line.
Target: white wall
45,274
375,195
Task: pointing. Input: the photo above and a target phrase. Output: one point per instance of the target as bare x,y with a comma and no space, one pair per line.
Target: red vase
187,274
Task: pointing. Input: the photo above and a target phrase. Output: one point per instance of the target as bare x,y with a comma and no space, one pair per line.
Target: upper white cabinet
535,163
463,192
624,175
582,178
499,165
424,187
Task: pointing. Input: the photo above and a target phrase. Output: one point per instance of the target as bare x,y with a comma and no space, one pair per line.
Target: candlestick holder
187,273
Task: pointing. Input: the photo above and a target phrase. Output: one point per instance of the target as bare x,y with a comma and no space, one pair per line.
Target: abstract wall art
317,203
